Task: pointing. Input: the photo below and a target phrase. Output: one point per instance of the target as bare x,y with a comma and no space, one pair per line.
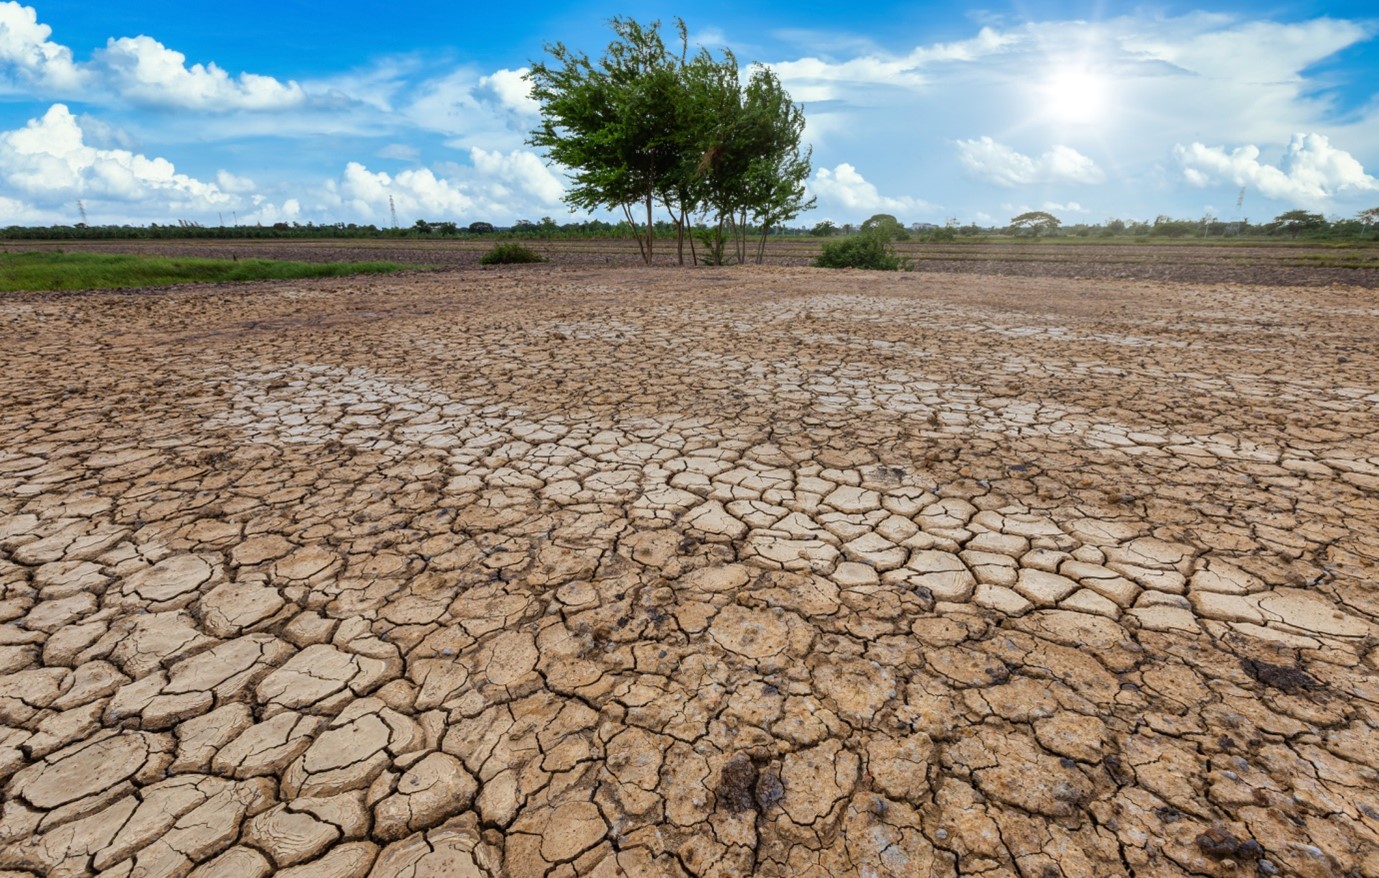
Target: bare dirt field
573,570
1275,263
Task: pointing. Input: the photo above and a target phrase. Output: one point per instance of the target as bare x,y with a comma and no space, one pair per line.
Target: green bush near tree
510,253
871,250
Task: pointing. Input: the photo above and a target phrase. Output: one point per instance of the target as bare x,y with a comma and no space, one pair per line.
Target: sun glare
1075,96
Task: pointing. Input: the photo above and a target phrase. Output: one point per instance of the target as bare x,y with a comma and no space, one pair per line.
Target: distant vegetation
55,270
1294,225
510,253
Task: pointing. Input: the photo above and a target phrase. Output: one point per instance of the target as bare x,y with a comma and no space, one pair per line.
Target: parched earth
572,571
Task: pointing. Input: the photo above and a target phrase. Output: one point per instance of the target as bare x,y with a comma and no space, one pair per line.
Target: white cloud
232,183
512,90
845,188
491,111
817,78
48,161
266,213
143,69
28,53
997,163
498,187
139,69
415,193
1311,174
524,170
98,132
1222,48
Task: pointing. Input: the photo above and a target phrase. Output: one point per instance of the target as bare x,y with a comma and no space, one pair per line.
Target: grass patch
56,270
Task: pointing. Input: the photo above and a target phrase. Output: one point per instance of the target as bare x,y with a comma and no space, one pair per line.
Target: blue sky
156,111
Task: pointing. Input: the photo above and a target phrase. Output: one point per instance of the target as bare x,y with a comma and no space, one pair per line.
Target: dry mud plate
583,572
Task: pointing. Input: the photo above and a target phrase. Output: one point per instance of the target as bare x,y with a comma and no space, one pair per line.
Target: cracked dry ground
778,572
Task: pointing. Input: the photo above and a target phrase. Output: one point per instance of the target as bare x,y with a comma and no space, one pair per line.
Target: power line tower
392,208
81,209
1236,226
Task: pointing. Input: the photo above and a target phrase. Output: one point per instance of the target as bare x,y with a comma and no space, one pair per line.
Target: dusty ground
571,571
1273,263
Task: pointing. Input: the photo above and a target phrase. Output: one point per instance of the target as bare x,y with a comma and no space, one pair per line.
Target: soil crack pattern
576,571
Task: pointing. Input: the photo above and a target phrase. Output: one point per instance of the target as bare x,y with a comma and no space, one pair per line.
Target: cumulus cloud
997,163
416,192
512,90
144,69
27,54
139,69
48,161
498,187
845,188
266,213
1312,171
522,170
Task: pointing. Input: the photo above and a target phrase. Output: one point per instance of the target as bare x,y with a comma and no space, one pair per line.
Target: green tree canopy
1036,221
1294,222
645,124
887,225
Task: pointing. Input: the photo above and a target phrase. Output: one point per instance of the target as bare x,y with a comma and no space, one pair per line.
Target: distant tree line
546,228
1292,225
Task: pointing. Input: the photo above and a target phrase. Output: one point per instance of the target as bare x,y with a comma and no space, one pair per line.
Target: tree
646,124
825,229
481,228
612,124
886,225
1369,217
1036,221
1295,222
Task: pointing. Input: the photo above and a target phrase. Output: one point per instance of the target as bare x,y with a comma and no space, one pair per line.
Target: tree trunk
650,229
680,236
742,239
694,254
641,246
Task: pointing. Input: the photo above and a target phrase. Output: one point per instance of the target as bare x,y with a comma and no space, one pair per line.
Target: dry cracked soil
571,571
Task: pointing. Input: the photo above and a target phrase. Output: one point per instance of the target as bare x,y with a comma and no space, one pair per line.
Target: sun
1075,96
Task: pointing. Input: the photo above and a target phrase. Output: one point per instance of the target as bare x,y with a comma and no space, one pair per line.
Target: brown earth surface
1276,263
569,570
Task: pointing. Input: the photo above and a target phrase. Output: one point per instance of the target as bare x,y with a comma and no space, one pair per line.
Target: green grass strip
56,270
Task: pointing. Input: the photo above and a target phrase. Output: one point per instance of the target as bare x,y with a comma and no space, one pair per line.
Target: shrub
871,250
510,253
